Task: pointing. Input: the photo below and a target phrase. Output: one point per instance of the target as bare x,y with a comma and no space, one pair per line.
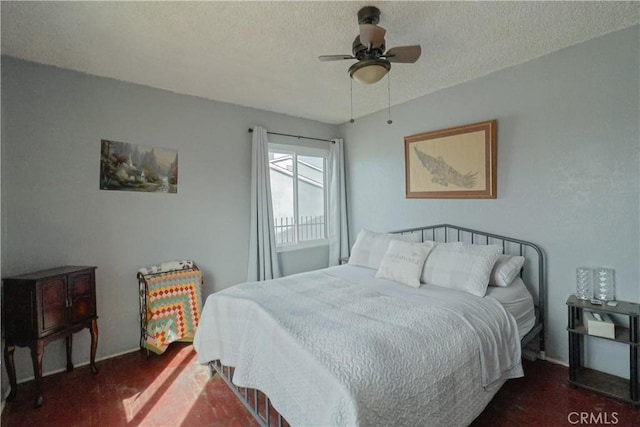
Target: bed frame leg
212,371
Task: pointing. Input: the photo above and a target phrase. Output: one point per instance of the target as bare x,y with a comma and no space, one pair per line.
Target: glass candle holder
604,283
584,283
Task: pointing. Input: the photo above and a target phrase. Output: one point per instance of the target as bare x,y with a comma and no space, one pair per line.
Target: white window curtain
263,258
337,206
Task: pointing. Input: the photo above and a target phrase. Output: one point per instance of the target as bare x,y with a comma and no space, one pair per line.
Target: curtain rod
296,136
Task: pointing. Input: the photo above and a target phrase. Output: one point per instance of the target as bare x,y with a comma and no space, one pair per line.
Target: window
298,191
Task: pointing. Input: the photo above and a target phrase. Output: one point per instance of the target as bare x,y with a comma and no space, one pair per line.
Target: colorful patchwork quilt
173,303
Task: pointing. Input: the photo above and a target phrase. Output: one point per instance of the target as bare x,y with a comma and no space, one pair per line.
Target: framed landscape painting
455,163
132,167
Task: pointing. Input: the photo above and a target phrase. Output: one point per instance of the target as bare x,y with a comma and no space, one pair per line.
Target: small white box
600,328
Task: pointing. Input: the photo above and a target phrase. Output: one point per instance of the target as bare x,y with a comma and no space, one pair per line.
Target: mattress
517,300
339,347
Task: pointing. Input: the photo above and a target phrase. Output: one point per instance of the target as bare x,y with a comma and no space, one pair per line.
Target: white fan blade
372,36
404,54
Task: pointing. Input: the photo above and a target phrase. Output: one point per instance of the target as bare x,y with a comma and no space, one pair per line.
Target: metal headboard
510,246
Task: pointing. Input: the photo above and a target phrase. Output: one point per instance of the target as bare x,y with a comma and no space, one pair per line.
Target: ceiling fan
369,49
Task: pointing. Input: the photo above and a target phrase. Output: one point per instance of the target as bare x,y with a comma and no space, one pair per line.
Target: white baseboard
557,362
57,371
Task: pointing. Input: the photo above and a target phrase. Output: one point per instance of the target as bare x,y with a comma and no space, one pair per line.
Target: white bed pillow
370,247
462,266
403,262
505,270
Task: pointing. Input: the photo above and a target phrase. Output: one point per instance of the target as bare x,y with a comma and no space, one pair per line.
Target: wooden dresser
44,306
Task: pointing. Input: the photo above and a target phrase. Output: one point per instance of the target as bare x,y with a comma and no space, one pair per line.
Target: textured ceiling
264,54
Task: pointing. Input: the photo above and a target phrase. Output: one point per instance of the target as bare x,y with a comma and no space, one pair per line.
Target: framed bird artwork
454,163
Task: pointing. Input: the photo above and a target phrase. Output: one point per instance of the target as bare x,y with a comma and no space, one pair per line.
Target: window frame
295,151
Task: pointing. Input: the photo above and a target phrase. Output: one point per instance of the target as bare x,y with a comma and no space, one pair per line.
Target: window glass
298,194
310,198
281,175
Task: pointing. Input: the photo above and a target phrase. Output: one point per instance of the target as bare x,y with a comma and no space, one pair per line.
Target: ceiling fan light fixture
369,71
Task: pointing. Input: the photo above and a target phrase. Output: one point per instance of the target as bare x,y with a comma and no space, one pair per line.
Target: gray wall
53,212
568,168
568,179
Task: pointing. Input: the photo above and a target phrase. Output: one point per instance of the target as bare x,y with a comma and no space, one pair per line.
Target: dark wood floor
173,390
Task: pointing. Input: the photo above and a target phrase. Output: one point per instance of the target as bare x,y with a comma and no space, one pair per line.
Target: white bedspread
338,347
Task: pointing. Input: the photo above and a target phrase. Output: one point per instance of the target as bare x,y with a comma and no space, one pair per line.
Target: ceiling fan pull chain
389,94
351,82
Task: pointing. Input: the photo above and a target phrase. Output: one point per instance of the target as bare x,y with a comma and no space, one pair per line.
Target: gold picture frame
454,163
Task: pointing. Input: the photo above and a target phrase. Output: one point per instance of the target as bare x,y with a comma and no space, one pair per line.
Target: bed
348,346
